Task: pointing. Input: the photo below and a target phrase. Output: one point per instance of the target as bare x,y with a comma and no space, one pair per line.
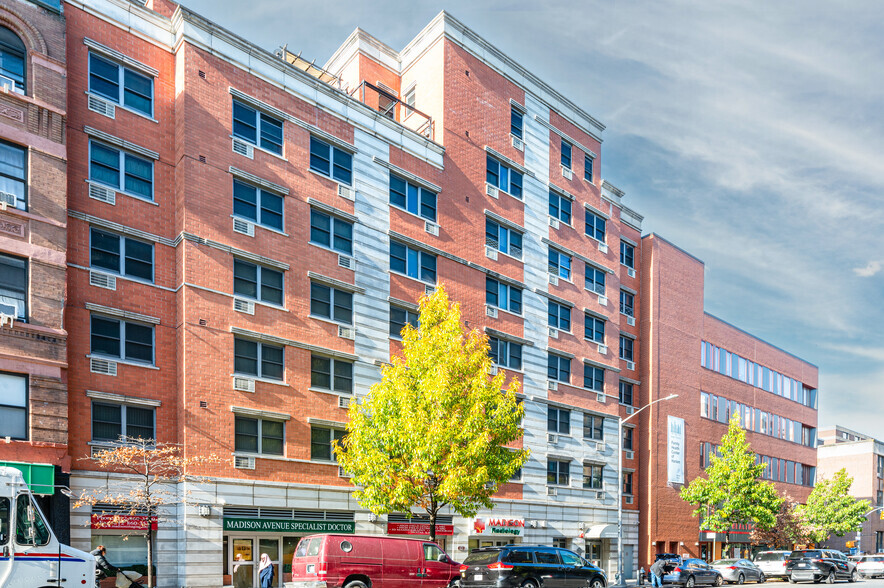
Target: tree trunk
433,524
149,554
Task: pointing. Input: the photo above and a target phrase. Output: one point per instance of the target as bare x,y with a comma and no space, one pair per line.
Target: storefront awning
601,532
40,477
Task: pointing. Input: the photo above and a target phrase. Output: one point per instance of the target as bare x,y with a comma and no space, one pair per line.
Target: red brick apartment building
249,233
33,161
717,370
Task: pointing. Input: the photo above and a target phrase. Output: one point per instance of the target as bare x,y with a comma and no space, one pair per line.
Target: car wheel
740,579
719,580
852,577
597,583
455,583
762,578
830,579
355,584
529,584
791,579
690,582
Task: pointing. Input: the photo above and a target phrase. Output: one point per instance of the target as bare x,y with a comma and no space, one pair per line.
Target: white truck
30,554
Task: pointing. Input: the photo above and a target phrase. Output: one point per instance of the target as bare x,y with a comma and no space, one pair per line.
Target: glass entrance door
243,569
270,546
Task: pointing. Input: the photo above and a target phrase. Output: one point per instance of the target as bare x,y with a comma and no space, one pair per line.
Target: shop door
243,560
271,548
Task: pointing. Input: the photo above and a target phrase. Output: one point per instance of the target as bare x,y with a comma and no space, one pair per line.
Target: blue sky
749,133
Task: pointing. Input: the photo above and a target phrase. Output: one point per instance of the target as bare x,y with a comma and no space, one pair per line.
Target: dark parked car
529,566
819,565
690,573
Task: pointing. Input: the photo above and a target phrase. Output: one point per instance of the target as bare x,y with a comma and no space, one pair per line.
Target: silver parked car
772,563
738,571
871,566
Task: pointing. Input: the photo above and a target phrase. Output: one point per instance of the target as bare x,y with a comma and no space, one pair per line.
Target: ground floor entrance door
242,557
628,567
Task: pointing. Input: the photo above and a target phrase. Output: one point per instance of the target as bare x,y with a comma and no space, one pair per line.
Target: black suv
819,565
529,566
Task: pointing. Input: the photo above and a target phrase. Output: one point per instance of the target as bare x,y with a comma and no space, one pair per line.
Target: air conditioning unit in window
429,290
630,320
600,446
627,499
243,148
491,253
630,409
103,107
243,227
342,473
600,398
629,454
347,262
431,228
630,365
518,143
552,438
630,272
346,332
554,222
346,192
243,462
552,491
102,280
491,190
241,384
102,193
7,199
600,495
242,305
552,385
102,366
603,247
567,173
492,370
603,300
603,349
97,449
553,333
554,279
343,402
491,311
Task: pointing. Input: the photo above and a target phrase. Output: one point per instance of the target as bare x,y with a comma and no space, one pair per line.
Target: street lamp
620,422
859,532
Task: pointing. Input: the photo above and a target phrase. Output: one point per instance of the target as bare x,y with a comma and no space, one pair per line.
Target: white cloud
872,268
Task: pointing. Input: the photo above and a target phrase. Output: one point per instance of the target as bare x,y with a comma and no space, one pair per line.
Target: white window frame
119,100
122,171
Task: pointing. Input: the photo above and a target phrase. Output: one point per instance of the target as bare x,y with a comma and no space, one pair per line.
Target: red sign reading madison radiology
417,529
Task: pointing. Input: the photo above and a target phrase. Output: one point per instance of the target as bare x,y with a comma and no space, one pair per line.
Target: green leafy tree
789,529
732,491
432,432
831,510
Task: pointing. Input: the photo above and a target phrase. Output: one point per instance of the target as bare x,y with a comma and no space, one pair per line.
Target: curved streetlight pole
620,422
859,533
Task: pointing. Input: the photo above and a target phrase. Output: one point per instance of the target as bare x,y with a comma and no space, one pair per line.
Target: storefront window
127,552
289,544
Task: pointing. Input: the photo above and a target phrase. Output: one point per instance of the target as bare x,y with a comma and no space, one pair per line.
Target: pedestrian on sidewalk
657,571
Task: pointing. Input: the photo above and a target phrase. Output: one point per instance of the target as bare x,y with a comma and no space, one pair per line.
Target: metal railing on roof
389,105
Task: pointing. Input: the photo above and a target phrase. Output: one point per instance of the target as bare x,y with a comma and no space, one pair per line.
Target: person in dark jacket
101,563
657,571
265,571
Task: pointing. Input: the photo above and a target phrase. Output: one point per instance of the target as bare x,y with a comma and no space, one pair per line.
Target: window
593,476
626,393
593,378
259,206
566,154
112,421
516,123
559,264
122,339
13,172
413,263
121,255
503,296
627,483
560,207
257,128
321,443
258,436
627,303
627,254
13,406
504,239
12,60
411,97
331,303
557,472
559,316
594,329
331,161
399,317
121,170
587,168
14,287
328,373
593,427
558,368
413,198
626,345
595,226
506,354
260,360
595,280
331,231
23,529
506,179
120,85
257,282
627,438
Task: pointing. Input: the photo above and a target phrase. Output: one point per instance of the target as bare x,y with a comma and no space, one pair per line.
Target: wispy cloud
871,268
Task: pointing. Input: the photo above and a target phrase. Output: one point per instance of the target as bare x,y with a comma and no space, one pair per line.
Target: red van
366,561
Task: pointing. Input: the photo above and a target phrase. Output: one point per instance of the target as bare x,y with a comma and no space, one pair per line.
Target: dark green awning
40,477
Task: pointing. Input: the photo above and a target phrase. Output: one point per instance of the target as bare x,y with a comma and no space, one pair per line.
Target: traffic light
851,544
882,515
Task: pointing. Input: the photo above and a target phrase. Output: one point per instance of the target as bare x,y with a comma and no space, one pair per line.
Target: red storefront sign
123,522
417,529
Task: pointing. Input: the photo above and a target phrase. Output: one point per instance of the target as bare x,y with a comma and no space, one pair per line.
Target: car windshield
770,556
724,562
805,553
872,558
481,558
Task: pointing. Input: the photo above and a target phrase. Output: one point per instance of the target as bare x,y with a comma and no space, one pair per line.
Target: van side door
437,568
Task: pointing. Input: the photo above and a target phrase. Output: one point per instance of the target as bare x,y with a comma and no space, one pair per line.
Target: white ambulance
30,554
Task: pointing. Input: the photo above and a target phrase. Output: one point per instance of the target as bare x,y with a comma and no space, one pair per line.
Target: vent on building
242,305
202,74
243,462
630,272
346,192
552,385
630,365
630,409
552,491
241,512
343,402
102,366
603,300
554,280
554,222
491,253
603,247
428,290
346,332
204,404
552,438
492,370
600,446
603,349
346,262
102,193
630,320
600,398
627,499
600,495
202,158
491,190
102,280
244,227
629,455
203,323
96,104
7,199
243,384
518,143
243,148
342,473
491,311
431,228
567,173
